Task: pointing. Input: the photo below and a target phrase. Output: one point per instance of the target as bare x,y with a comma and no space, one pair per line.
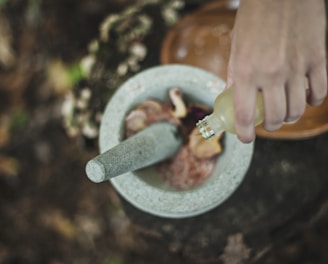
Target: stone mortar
145,189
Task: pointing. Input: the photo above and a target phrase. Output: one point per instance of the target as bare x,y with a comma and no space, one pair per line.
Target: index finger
245,94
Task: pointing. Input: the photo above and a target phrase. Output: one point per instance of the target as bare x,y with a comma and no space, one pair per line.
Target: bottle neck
210,126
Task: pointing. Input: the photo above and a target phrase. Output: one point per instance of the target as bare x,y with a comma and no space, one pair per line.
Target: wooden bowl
202,39
314,122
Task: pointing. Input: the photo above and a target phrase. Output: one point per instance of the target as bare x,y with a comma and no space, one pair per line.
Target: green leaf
112,261
3,2
75,73
19,119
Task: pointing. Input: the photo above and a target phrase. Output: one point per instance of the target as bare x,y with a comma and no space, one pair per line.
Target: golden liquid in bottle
224,110
223,116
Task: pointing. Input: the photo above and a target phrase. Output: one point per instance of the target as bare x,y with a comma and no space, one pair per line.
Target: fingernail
272,127
316,103
290,121
246,135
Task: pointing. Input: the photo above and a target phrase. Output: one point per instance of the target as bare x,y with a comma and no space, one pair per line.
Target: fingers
274,100
245,103
282,103
296,99
275,108
318,85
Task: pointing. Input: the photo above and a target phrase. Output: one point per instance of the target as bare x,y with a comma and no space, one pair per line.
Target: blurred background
60,61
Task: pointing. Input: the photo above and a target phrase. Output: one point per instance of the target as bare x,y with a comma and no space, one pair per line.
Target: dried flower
170,11
90,130
85,93
139,50
119,51
106,26
87,63
122,69
135,121
180,109
202,148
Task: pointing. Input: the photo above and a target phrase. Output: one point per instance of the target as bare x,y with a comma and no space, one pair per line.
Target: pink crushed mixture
184,170
196,159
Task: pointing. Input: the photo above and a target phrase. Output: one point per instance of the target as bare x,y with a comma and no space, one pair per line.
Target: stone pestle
155,143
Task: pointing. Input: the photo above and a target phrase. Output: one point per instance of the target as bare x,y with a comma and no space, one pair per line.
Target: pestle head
96,171
150,145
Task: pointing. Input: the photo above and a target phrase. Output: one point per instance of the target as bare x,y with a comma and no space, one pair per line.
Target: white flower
139,50
87,63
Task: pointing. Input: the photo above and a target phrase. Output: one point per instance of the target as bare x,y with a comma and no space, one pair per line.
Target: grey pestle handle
149,146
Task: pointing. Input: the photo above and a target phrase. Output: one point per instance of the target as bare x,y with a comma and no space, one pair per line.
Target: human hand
278,47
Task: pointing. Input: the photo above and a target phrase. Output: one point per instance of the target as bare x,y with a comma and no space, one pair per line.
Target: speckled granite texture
146,189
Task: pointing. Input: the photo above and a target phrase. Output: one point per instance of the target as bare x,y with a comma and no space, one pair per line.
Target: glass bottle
223,116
